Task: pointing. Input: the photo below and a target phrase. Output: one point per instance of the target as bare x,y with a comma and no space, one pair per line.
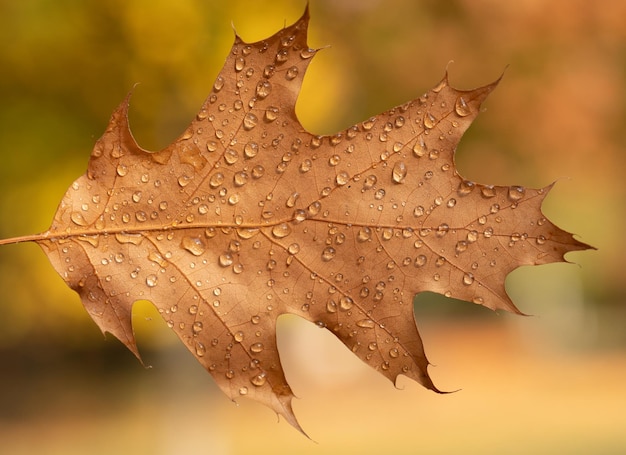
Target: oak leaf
247,216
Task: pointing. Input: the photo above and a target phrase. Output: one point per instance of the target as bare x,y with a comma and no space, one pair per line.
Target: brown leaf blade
247,216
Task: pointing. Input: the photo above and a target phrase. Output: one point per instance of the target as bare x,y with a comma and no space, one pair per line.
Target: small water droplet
250,121
516,193
216,180
240,63
429,121
466,187
259,379
282,56
240,178
219,84
419,149
151,280
366,323
194,245
307,53
231,156
263,89
238,336
346,303
250,150
306,165
487,191
342,178
291,200
461,107
468,279
225,259
368,124
281,230
291,73
328,254
78,218
364,234
472,236
200,349
314,208
256,347
271,113
420,260
369,182
258,171
399,172
197,327
294,248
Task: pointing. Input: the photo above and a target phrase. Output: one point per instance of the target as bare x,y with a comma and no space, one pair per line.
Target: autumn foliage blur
559,114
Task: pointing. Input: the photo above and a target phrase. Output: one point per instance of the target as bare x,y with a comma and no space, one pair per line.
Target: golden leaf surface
247,216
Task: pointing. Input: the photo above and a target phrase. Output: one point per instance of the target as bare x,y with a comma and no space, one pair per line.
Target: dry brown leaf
247,216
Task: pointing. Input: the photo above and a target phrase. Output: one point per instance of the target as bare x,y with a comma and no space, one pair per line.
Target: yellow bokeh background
551,383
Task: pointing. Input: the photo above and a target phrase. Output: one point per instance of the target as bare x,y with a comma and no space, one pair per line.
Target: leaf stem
24,238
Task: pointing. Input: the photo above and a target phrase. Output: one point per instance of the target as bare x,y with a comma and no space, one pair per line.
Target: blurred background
551,383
